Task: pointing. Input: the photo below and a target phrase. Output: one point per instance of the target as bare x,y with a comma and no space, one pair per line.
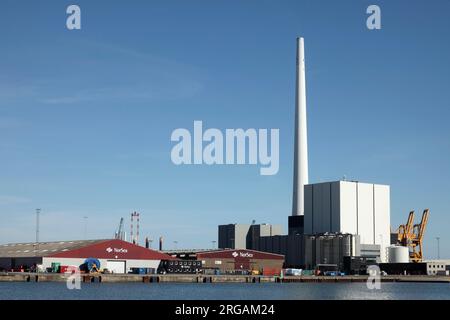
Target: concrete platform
194,278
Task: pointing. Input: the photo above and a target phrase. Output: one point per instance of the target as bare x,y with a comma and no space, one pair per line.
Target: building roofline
353,181
228,250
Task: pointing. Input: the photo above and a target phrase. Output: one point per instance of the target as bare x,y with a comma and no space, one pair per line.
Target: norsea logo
242,254
116,250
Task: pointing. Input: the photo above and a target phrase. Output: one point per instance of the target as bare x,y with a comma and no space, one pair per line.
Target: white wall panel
115,266
47,261
130,263
326,203
382,217
365,213
348,207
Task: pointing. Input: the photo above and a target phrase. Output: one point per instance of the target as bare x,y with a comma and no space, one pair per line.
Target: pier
201,278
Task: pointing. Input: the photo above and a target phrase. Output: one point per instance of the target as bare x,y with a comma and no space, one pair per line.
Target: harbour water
219,291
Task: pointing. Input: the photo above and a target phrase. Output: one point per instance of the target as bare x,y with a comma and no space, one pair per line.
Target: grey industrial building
245,236
291,246
307,251
330,249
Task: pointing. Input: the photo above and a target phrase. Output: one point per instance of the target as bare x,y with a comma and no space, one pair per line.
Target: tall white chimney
301,141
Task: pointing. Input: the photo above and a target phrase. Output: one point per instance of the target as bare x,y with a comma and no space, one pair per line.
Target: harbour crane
405,230
417,240
411,235
119,232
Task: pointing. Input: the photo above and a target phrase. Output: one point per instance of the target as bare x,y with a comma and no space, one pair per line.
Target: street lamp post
85,227
438,249
36,246
383,253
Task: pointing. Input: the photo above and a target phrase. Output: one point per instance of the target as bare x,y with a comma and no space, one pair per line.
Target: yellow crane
411,235
405,230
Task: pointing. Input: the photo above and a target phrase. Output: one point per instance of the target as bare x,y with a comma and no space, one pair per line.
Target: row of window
170,270
434,272
185,263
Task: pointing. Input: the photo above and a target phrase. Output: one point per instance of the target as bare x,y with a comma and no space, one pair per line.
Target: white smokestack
301,141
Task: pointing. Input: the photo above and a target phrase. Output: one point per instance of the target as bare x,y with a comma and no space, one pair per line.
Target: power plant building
329,220
361,209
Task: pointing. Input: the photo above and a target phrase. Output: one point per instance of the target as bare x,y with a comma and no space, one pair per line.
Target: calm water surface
218,291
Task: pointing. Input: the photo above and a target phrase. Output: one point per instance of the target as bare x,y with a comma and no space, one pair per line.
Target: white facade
437,267
129,263
349,207
116,266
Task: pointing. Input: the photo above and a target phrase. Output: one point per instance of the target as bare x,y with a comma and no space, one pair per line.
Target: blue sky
86,116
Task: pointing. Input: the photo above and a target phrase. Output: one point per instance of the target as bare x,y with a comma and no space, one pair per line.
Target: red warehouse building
240,259
117,256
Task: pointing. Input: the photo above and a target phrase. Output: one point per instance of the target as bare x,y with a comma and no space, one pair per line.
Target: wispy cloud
10,123
141,155
142,92
9,90
127,75
8,200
